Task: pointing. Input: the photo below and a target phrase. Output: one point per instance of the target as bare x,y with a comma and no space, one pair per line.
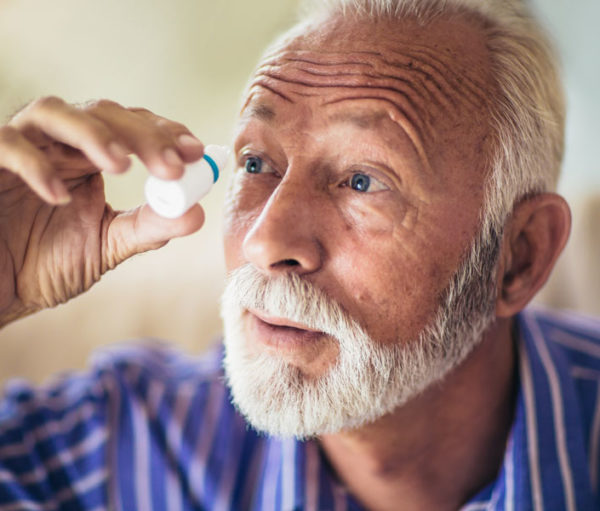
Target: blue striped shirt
147,428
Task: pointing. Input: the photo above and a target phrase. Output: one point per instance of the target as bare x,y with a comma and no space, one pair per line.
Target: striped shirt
147,428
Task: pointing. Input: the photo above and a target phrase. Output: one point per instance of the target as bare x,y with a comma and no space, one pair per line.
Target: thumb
141,229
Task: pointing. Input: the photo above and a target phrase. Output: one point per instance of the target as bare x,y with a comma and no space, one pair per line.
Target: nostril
285,263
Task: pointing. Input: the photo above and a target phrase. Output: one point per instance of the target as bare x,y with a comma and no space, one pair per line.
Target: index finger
73,127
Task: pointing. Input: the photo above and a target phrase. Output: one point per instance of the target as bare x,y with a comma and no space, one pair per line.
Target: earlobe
534,237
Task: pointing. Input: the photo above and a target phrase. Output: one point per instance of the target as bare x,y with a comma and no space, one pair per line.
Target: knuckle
144,112
107,103
101,104
159,128
162,123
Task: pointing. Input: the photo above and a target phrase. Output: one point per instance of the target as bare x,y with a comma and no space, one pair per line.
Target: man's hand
57,233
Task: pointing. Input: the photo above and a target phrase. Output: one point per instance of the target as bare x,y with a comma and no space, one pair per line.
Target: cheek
378,218
390,272
391,296
241,198
242,207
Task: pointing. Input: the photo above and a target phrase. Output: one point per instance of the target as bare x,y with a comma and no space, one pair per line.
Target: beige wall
188,60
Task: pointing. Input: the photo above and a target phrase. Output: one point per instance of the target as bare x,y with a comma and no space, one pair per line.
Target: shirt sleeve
123,435
53,443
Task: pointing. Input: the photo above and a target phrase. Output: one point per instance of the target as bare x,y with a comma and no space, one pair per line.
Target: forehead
431,82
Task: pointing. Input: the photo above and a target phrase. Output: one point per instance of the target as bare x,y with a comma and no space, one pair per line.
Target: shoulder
118,372
564,357
557,423
573,337
156,381
62,442
160,361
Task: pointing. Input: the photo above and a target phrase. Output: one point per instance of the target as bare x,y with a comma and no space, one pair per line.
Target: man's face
361,154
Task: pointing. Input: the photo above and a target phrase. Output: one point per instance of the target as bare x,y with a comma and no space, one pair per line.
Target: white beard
368,379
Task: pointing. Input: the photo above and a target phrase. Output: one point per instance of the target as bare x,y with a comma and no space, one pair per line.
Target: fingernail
172,158
117,150
189,141
60,192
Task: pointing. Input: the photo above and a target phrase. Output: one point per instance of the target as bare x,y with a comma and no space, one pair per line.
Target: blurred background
189,60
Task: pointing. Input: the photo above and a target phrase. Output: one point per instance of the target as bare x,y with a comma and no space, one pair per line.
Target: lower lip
280,337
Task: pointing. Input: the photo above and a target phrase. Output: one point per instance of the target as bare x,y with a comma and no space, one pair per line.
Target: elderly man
390,217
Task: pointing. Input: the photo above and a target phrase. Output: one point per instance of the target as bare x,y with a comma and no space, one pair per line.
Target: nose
284,236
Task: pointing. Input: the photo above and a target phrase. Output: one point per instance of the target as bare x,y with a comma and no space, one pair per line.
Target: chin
282,396
331,376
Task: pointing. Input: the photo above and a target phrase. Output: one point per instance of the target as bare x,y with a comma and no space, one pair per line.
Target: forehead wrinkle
474,92
404,52
418,81
394,74
325,58
422,49
411,111
367,120
264,114
432,95
440,75
302,79
265,84
358,86
399,119
415,71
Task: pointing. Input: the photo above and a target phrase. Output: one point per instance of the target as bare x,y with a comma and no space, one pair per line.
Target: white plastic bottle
172,198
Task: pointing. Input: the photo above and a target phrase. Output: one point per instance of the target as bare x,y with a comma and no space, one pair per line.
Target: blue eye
253,165
360,182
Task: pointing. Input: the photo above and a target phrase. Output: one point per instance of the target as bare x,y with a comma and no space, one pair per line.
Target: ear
534,237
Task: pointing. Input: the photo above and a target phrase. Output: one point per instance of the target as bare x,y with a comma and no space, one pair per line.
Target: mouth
281,333
281,322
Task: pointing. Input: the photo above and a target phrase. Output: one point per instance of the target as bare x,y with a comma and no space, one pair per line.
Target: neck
443,446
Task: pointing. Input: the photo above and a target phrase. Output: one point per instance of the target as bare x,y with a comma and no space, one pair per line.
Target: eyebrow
261,112
361,120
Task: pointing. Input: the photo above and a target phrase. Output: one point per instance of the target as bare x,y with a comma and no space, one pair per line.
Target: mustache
288,296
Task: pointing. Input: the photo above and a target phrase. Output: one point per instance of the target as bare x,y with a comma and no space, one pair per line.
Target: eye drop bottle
172,198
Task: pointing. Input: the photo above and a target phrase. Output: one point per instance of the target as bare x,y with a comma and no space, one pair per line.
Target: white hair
527,105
